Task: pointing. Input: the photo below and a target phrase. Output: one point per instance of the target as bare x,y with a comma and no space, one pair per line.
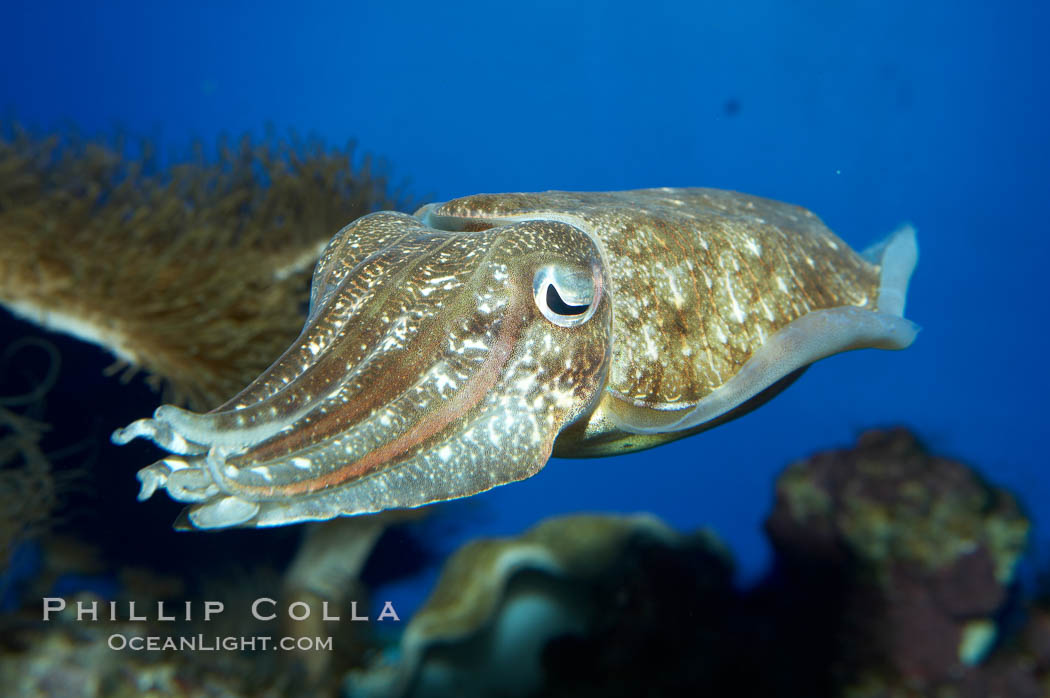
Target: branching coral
196,274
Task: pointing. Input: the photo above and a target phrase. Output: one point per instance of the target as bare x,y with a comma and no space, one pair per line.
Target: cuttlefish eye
565,295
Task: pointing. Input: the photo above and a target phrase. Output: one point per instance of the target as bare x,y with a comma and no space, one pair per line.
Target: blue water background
868,113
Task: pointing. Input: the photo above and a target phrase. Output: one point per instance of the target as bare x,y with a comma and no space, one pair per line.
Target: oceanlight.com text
215,643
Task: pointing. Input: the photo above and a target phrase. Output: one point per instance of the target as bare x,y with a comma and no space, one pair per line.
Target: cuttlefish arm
453,351
427,370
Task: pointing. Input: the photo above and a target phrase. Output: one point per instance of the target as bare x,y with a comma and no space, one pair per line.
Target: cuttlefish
457,349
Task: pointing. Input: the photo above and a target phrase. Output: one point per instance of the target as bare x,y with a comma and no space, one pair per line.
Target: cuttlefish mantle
455,350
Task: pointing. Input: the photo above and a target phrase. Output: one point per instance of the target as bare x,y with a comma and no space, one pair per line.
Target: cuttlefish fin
814,336
897,255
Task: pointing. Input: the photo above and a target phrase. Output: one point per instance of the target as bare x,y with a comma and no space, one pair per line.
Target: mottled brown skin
699,279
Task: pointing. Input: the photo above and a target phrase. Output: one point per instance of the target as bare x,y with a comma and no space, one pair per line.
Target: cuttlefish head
436,362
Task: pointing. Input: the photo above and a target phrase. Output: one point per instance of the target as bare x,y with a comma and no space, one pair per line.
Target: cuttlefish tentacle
453,351
334,351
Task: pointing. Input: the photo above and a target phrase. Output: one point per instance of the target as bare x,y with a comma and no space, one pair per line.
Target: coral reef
196,274
894,577
894,572
67,656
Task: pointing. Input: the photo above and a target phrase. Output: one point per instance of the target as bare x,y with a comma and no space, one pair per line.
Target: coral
501,605
894,571
68,656
196,274
327,569
73,658
919,553
889,502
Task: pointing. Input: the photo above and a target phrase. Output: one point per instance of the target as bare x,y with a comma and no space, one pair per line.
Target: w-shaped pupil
557,305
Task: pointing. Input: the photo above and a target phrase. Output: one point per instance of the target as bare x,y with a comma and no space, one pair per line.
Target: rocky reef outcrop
894,577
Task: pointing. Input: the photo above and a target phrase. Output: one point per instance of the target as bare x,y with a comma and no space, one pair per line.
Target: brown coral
197,274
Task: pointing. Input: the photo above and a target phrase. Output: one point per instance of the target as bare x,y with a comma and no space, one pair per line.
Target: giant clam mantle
455,350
